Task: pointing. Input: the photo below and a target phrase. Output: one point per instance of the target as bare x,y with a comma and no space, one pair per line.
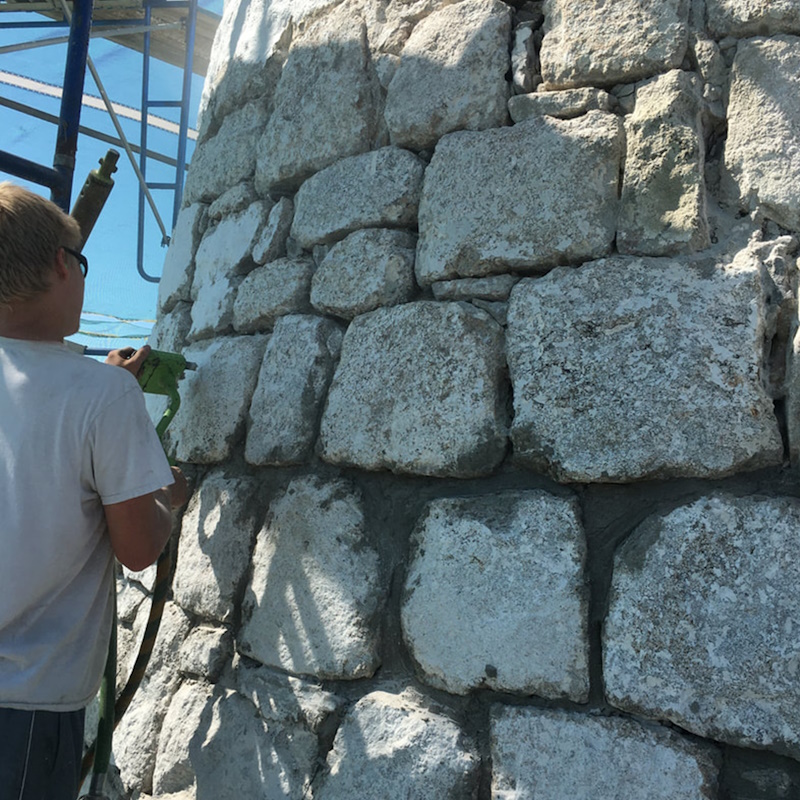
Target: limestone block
600,44
394,745
316,590
227,158
329,67
710,642
215,398
136,736
635,368
753,18
374,190
418,390
762,152
235,199
224,254
662,209
451,74
214,743
269,292
205,652
271,242
493,288
217,535
178,270
369,269
540,193
172,329
566,104
297,369
496,598
549,754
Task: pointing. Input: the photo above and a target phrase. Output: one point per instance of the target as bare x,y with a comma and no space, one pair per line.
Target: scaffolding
175,31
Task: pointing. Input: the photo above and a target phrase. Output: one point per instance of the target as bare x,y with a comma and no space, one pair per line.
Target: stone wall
495,422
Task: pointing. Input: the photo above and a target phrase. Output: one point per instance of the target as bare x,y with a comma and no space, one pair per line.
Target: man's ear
60,264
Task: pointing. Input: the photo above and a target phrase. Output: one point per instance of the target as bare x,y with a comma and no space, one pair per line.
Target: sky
119,306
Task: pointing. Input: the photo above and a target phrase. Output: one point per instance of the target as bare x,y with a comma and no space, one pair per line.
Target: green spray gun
159,375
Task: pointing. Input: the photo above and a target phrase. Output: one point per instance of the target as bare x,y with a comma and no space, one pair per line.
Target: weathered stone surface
702,621
205,652
178,271
662,209
418,389
496,598
312,603
230,748
269,292
541,193
451,74
493,288
328,66
374,190
224,254
294,378
217,535
215,398
566,104
172,330
391,745
525,68
227,158
271,242
234,200
752,18
553,754
637,368
600,44
136,736
762,152
369,269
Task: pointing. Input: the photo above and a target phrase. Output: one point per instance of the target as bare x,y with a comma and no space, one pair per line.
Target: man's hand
129,359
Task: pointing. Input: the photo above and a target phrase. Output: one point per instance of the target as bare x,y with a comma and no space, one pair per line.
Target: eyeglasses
82,260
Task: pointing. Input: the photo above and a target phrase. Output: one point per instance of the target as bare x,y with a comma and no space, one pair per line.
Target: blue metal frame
59,178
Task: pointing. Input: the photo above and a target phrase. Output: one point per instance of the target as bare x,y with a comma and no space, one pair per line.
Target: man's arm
139,528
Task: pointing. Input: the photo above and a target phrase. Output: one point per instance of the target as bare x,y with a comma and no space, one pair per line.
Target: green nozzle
160,374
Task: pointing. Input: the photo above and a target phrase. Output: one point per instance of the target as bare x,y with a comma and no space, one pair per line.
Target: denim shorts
40,754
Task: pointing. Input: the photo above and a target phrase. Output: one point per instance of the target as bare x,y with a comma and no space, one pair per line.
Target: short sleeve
127,458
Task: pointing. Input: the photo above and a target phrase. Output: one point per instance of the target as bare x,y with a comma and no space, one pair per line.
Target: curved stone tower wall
495,417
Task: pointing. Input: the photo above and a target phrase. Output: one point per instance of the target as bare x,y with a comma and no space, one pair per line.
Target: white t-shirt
74,435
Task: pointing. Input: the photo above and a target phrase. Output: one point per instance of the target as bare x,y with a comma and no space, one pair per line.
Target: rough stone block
393,745
217,535
297,369
702,621
541,193
178,271
761,151
600,44
312,604
451,74
494,288
272,291
271,242
566,104
663,204
230,748
419,389
496,598
232,201
554,754
329,67
205,652
369,269
215,398
753,18
227,158
172,329
633,368
374,190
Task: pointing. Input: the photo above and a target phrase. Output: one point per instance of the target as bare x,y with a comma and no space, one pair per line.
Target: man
83,478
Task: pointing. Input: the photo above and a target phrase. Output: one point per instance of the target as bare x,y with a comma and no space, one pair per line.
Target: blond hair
31,231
